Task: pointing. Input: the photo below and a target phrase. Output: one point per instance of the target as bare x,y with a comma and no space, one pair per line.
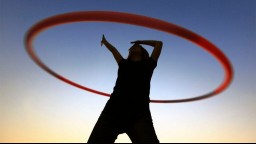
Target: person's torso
132,88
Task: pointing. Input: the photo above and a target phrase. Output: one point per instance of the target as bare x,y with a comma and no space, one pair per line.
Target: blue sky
36,107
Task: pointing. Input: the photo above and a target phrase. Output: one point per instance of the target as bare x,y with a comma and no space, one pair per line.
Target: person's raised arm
118,57
156,44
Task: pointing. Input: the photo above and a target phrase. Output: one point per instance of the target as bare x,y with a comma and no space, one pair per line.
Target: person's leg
104,131
143,131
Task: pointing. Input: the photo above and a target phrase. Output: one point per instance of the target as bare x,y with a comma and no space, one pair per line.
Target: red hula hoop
133,19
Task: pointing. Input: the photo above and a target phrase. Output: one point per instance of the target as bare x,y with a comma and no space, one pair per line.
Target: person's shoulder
152,62
122,61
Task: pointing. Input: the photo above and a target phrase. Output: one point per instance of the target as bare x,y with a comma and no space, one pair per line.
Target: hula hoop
133,19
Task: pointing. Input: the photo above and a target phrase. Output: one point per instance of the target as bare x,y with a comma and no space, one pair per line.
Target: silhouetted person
127,110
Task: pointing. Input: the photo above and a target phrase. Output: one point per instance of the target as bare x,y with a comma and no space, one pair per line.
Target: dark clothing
108,128
131,92
127,110
134,78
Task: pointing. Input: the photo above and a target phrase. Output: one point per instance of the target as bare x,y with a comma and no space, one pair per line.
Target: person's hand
103,40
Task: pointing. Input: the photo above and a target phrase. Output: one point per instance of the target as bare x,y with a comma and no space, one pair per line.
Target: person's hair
144,54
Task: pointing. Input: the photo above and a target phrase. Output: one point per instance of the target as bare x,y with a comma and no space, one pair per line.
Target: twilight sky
36,107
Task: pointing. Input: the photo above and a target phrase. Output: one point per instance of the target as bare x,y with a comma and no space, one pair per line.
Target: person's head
137,53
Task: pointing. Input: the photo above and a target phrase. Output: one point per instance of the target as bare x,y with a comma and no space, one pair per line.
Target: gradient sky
36,107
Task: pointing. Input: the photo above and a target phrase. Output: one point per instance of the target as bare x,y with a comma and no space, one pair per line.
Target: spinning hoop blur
133,19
